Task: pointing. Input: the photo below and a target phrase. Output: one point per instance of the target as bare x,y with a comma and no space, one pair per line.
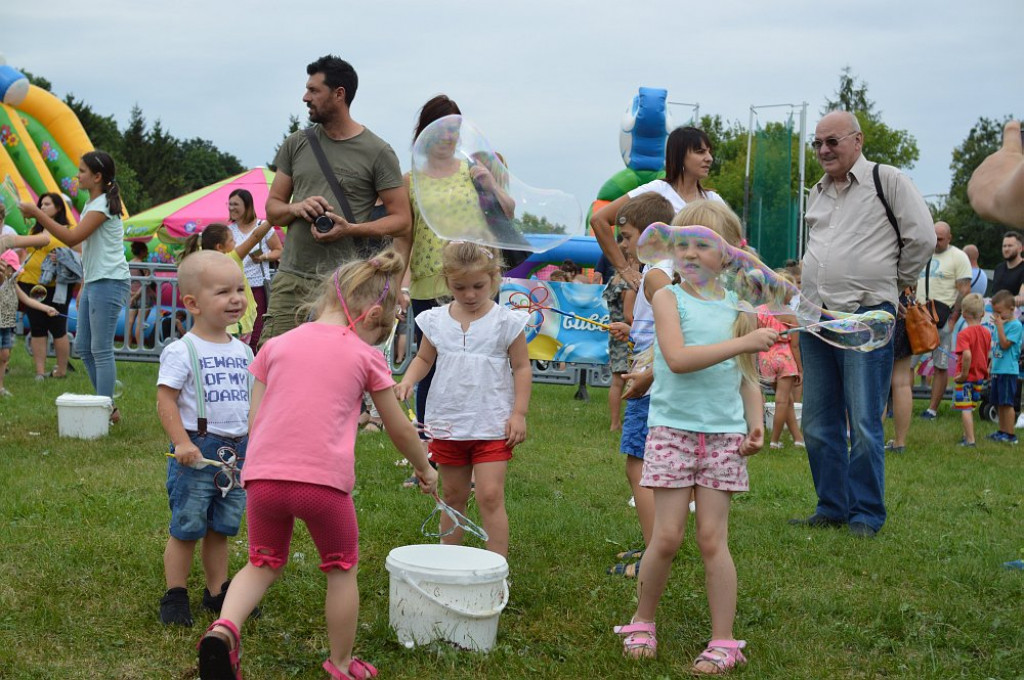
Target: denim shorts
197,504
634,427
6,338
1003,390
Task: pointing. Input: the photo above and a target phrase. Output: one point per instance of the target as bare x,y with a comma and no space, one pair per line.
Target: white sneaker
632,502
1020,422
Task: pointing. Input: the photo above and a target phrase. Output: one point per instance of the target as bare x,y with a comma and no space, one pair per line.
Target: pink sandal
358,670
722,655
218,660
640,641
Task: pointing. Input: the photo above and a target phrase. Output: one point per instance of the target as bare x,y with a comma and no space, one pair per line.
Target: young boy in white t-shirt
203,404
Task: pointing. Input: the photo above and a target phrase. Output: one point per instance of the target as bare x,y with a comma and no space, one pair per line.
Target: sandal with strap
358,670
218,659
634,554
625,569
640,641
721,656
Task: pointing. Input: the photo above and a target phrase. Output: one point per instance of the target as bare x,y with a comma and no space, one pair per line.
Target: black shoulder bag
366,246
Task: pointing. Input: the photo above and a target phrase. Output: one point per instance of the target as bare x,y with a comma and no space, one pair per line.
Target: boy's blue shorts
634,427
197,504
1003,391
966,395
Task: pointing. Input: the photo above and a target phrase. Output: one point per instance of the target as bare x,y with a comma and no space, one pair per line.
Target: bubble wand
459,521
531,303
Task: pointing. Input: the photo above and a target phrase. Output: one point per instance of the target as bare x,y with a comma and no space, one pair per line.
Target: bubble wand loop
532,304
459,521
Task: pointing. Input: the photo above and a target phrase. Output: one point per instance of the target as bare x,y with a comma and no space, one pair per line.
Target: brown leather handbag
921,320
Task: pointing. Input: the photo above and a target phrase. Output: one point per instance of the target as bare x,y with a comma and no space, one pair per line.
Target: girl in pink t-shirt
300,462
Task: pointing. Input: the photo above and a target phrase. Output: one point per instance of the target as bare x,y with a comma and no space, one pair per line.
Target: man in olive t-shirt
366,167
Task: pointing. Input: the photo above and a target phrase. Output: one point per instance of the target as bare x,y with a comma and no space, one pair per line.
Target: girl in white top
480,390
106,279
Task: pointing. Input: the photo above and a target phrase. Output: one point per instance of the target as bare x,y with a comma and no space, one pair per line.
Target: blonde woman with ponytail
106,287
300,464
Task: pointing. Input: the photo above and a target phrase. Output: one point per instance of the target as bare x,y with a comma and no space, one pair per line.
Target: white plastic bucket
769,414
447,592
83,416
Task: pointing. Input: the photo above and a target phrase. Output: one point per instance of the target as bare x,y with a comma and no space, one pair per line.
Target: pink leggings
272,507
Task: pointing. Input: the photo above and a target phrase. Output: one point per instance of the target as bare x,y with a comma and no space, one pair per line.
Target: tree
882,144
38,81
984,137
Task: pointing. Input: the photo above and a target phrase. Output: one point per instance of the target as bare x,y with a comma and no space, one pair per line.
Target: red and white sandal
640,641
218,658
358,670
721,656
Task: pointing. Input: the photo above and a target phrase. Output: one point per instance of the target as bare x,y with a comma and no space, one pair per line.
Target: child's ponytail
212,236
102,163
360,283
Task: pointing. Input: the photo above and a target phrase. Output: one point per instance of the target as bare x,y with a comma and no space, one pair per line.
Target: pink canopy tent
181,217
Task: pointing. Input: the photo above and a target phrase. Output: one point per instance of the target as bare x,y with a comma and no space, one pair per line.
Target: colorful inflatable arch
41,141
642,135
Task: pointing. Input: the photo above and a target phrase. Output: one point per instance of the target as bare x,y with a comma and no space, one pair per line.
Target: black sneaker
174,609
817,521
213,603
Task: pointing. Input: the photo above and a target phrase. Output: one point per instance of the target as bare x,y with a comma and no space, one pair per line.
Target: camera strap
325,167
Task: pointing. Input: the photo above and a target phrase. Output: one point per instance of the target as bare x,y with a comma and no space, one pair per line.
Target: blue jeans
849,477
423,387
99,305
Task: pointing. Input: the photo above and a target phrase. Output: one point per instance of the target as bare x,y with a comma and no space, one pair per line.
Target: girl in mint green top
706,416
106,289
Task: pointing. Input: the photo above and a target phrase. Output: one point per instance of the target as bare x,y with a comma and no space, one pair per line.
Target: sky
546,82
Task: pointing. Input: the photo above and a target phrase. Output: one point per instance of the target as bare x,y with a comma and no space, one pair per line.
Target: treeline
153,166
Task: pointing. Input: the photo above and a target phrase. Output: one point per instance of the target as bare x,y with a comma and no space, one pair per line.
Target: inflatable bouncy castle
643,132
41,142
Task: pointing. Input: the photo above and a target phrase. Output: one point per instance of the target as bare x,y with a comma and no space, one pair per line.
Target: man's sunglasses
830,142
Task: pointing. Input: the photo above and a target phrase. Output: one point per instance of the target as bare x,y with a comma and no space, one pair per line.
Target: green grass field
83,526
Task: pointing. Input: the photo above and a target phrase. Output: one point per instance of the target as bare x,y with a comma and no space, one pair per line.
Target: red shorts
272,507
468,452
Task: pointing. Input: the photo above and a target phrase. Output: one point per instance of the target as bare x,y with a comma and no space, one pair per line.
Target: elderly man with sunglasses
854,262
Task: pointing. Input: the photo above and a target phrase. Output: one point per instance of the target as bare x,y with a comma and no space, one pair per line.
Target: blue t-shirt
707,400
1004,361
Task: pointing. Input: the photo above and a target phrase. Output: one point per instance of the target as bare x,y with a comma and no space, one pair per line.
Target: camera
323,224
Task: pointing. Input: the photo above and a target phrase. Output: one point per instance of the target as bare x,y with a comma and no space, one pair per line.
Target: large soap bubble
465,192
711,267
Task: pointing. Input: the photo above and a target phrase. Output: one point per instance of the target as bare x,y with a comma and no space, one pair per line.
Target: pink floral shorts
676,459
777,362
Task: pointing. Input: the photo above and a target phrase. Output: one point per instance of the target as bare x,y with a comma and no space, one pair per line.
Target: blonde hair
462,257
720,218
973,306
360,283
